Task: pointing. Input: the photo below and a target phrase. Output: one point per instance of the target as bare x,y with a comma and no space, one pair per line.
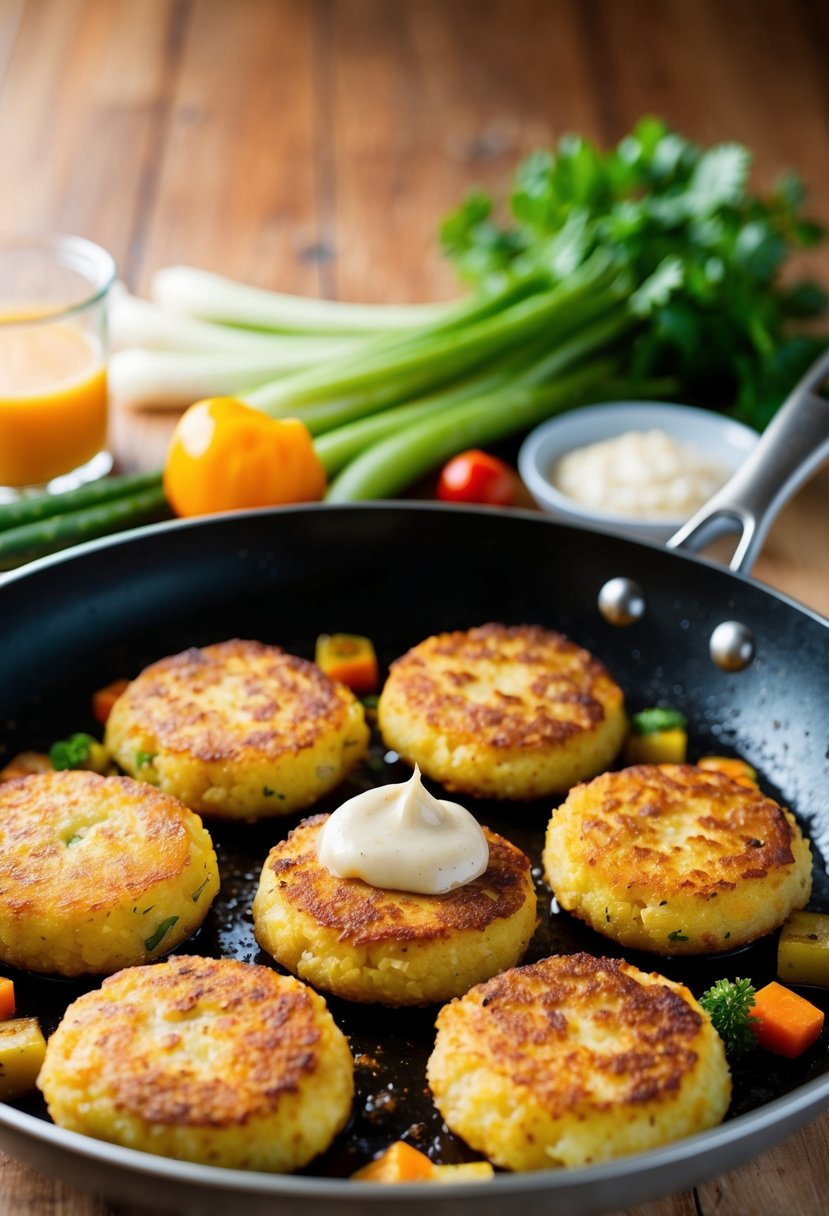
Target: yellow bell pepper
803,949
657,736
225,456
22,1048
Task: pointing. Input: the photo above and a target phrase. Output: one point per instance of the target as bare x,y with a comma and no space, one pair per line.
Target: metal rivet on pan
621,601
732,646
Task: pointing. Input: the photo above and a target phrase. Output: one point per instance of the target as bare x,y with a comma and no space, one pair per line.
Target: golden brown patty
238,730
394,947
502,711
574,1060
677,860
206,1060
97,873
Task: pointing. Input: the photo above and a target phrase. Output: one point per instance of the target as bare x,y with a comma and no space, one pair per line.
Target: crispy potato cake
208,1060
97,873
575,1060
238,730
394,947
676,860
502,711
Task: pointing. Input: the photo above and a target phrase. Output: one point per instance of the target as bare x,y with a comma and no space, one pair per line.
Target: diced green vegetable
73,752
649,721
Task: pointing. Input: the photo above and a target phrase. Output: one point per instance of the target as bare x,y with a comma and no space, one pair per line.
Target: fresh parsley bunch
701,256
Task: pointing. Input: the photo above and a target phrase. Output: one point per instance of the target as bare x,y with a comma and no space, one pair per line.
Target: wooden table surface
313,146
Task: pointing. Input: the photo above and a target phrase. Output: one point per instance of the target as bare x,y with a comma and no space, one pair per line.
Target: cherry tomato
475,476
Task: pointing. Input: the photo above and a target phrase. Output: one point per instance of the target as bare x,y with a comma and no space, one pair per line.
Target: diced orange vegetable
25,765
6,999
350,659
731,766
104,699
402,1163
399,1163
786,1023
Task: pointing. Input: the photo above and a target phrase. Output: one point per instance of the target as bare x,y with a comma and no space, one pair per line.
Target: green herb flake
74,839
677,936
142,759
728,1004
71,752
160,933
651,721
199,889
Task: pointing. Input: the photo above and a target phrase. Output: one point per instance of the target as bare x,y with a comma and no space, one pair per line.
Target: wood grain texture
314,145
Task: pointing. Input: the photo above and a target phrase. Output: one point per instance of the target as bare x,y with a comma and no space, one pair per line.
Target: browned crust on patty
42,866
566,687
534,1024
741,833
271,1020
363,914
268,685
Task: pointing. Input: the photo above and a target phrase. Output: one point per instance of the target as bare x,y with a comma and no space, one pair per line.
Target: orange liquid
53,400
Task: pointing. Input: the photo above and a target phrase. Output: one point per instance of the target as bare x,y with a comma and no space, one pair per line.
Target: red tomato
475,476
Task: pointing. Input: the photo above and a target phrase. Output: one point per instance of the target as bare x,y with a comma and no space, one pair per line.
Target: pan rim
118,540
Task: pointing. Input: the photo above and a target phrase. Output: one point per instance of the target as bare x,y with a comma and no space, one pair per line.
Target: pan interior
399,574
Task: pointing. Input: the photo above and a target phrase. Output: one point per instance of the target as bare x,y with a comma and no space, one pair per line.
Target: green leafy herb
142,759
267,792
650,721
199,889
71,752
160,933
702,255
677,936
728,1003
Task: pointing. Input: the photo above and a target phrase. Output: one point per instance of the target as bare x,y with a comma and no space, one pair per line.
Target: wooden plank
79,117
428,100
236,183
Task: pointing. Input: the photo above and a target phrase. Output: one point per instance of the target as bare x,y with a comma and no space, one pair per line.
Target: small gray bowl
728,441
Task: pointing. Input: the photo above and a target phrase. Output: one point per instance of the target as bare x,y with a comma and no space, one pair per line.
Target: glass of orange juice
53,348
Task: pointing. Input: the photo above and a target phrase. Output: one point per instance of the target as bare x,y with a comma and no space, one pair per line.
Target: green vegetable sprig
701,252
728,1003
73,752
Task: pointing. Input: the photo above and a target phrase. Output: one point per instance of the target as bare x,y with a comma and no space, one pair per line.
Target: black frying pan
398,573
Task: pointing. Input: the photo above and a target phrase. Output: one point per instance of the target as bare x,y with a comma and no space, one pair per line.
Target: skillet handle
793,447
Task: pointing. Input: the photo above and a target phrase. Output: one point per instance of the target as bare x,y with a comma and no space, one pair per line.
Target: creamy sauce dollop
643,474
399,837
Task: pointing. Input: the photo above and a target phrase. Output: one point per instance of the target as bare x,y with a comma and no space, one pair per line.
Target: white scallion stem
212,297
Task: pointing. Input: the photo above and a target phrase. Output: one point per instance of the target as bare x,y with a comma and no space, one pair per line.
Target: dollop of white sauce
642,474
399,837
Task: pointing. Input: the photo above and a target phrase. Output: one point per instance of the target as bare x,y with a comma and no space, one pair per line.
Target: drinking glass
53,353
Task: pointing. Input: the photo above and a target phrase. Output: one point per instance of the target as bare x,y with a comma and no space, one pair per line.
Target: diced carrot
6,999
786,1023
25,765
350,659
104,699
399,1163
731,766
